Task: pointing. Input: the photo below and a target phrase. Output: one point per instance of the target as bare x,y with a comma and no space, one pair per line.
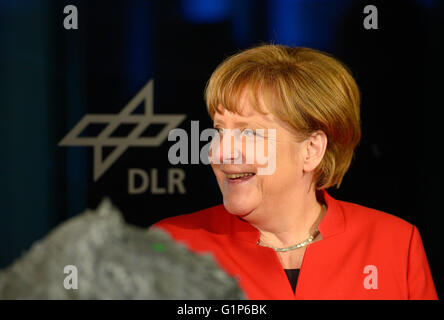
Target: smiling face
245,192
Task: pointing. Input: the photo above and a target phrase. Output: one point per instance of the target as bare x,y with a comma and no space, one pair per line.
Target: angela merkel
281,234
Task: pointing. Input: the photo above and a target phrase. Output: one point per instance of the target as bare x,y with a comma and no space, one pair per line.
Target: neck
288,220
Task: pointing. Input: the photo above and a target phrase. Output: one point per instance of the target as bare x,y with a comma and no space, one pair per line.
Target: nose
227,147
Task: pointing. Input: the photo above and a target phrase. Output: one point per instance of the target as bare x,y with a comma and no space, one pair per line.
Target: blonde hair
311,90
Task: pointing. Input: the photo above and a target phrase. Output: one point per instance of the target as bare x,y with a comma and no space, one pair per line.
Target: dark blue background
51,77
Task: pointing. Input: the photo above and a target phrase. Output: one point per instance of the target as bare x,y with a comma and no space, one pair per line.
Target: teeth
239,175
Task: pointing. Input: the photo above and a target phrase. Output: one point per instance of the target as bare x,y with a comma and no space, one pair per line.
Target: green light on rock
159,247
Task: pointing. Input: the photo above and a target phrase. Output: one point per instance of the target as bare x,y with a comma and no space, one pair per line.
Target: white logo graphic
71,21
70,281
113,121
257,149
371,281
371,20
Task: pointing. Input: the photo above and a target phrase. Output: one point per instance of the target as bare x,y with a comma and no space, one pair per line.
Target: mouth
239,177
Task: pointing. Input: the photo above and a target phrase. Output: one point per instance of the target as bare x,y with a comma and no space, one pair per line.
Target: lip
238,171
239,180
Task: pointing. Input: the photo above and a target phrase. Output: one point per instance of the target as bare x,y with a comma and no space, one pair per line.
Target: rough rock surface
114,260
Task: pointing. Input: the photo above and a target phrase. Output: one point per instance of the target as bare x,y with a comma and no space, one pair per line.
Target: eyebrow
239,124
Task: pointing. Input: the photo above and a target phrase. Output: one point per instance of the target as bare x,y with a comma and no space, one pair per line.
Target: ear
314,150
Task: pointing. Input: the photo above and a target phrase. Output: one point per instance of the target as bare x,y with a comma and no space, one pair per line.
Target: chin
238,207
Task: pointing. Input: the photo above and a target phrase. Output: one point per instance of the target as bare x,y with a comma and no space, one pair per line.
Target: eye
248,132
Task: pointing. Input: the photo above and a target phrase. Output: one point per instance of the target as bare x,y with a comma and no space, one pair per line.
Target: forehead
247,117
246,112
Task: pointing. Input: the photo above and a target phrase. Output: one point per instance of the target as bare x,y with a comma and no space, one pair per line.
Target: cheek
216,171
220,177
288,162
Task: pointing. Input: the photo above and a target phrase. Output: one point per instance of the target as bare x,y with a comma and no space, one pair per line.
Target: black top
292,275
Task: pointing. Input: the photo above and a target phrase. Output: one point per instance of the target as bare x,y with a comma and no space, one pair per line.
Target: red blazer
364,254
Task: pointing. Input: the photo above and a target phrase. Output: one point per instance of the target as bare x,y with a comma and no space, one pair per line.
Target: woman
281,234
